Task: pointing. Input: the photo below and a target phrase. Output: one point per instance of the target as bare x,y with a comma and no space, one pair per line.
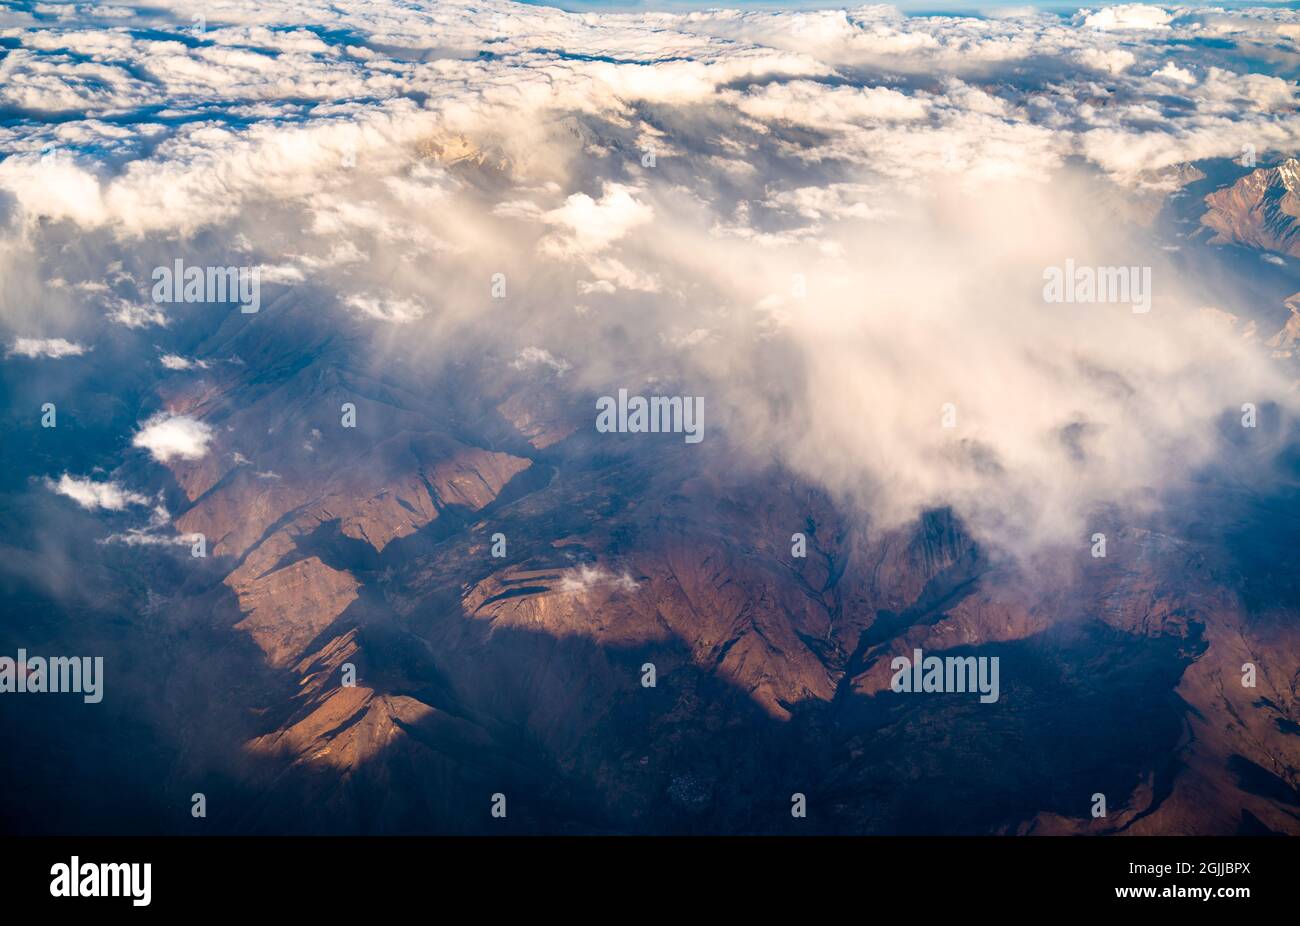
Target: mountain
372,548
1259,210
358,559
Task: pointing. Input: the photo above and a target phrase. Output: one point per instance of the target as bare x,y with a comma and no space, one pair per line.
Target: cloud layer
832,224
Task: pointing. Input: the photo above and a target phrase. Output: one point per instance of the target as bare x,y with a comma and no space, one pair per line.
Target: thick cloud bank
835,226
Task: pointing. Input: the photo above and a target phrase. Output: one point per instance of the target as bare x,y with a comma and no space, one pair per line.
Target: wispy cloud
87,493
53,348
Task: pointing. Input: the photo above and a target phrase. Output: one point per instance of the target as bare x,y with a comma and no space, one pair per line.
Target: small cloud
135,315
1127,16
1175,74
144,538
54,348
536,356
397,311
168,437
587,226
285,274
1111,60
177,362
91,495
584,578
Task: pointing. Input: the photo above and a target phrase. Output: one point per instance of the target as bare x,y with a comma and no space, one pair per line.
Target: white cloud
177,362
1173,73
586,226
582,579
281,273
1127,16
54,348
1110,60
135,314
92,495
915,172
536,356
173,437
817,104
396,311
137,537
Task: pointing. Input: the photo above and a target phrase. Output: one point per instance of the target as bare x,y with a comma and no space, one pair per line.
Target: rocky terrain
522,674
1260,210
430,589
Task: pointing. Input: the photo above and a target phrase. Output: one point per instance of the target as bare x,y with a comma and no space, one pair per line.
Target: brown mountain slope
1260,210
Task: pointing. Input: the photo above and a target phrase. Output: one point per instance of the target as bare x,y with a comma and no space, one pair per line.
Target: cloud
177,362
91,495
586,226
173,437
1173,73
843,231
1127,16
536,356
138,537
396,311
135,315
819,105
53,348
1110,60
582,579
